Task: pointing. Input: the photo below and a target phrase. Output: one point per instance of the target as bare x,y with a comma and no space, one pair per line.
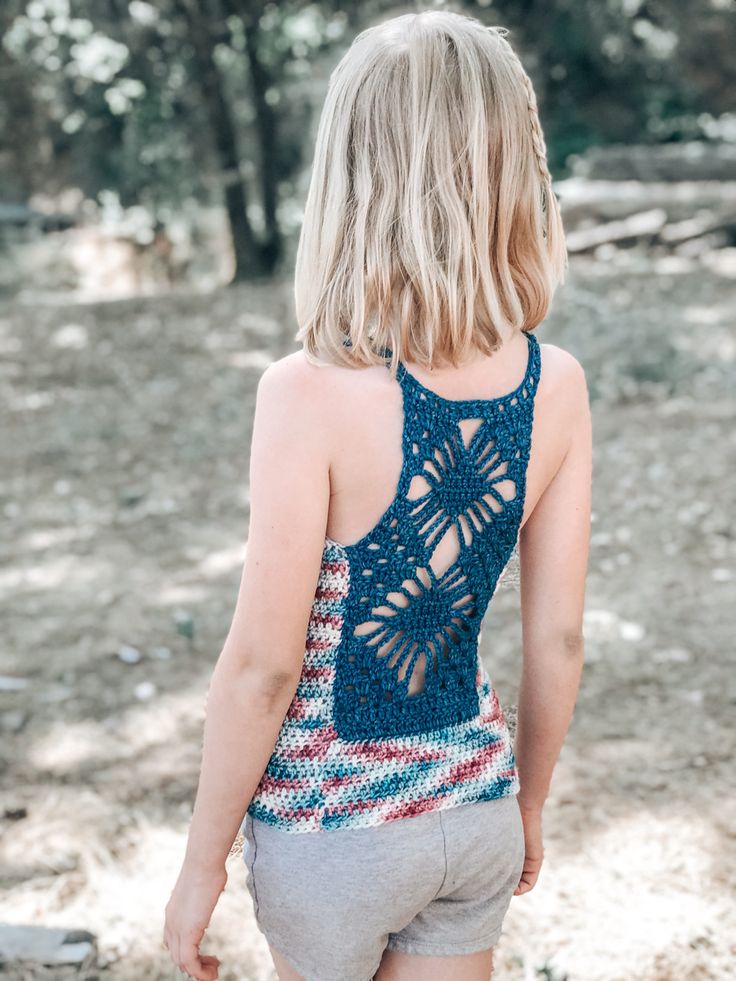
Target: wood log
643,224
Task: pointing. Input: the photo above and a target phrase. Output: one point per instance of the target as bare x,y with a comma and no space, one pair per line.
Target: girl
420,434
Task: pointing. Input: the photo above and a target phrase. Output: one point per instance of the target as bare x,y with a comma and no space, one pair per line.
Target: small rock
45,945
631,631
9,683
696,697
132,496
145,690
128,654
15,813
71,336
184,623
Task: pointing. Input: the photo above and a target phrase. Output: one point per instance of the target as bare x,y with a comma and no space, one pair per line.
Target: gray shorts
436,883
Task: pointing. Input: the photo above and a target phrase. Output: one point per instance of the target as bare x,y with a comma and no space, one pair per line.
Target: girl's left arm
258,669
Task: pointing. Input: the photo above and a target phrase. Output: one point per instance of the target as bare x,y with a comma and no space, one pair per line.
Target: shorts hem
309,972
445,950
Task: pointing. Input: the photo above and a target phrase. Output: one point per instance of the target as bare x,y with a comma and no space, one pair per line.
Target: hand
188,914
532,818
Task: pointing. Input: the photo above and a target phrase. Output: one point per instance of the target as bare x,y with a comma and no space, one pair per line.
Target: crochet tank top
394,713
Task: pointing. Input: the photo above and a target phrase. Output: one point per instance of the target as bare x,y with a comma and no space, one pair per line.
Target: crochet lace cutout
422,578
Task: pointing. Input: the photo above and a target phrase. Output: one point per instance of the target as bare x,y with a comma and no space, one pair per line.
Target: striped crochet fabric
315,780
394,713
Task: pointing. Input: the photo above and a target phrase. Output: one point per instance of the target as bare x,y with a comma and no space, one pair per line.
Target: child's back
431,246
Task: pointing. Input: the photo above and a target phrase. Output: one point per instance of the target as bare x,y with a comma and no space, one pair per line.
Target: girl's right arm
553,560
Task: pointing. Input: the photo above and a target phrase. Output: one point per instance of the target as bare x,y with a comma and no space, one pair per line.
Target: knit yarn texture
357,748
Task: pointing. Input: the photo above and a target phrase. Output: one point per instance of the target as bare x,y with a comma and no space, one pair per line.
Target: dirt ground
124,494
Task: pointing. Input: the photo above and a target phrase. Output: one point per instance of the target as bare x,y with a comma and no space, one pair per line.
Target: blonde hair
430,224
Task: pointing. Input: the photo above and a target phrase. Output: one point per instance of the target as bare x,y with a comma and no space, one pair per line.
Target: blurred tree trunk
249,258
23,121
266,126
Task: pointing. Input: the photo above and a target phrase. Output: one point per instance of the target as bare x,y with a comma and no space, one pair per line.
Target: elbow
573,643
555,644
276,685
270,686
273,690
266,685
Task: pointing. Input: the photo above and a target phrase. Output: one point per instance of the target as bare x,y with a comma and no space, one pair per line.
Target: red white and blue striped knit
315,780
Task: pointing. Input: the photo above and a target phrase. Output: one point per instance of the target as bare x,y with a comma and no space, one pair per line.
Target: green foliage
623,71
184,99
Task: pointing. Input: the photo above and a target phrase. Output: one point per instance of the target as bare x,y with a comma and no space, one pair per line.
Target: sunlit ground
123,483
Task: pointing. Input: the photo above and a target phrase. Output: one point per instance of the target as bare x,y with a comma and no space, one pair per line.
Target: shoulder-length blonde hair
430,224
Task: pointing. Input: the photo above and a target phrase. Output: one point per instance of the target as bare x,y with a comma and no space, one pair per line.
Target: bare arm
553,559
258,670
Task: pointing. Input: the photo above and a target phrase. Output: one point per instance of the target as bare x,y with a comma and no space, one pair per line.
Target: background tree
211,101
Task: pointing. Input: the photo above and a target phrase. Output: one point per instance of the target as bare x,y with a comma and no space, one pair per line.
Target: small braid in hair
538,142
540,147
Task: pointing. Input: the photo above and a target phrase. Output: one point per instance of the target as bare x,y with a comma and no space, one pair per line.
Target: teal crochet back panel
422,579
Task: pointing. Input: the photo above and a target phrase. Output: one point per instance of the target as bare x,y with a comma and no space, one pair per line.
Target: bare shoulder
297,385
560,366
292,374
562,376
313,407
291,415
326,390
